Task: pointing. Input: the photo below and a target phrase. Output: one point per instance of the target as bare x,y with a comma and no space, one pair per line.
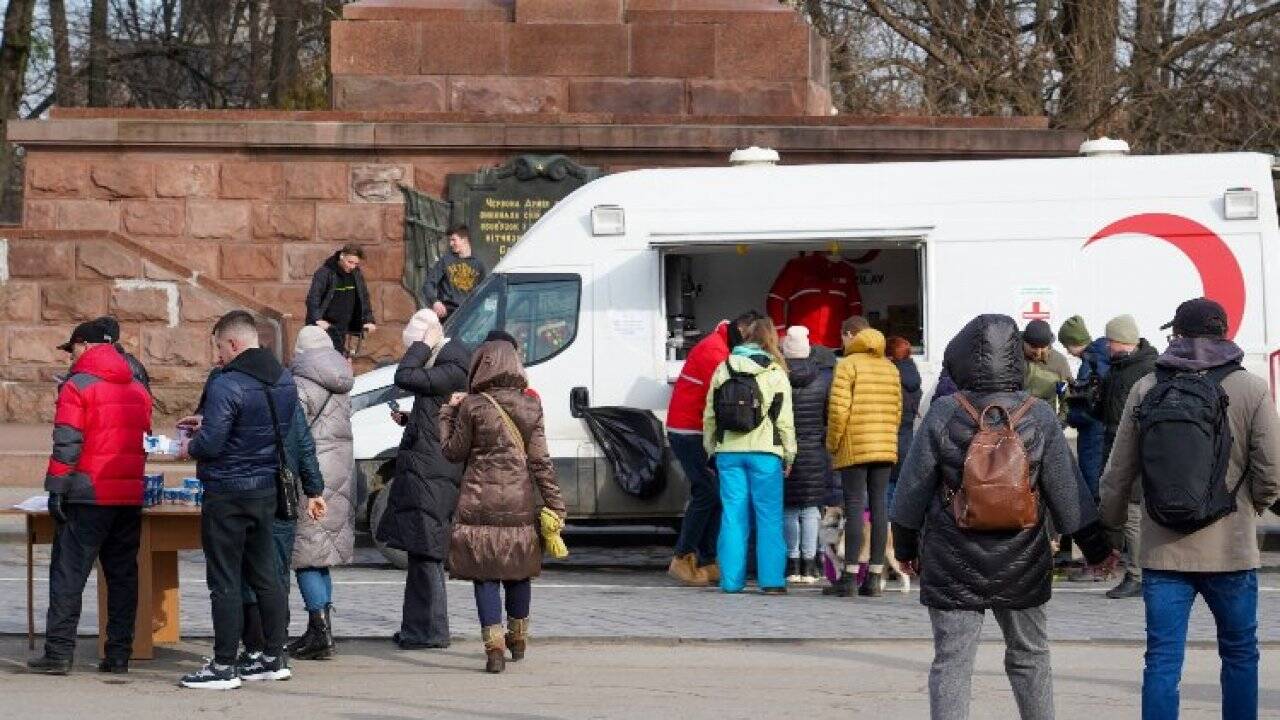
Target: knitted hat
795,346
1073,333
1123,329
311,337
424,326
1038,334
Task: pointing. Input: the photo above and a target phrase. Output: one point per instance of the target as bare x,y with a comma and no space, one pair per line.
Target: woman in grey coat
324,379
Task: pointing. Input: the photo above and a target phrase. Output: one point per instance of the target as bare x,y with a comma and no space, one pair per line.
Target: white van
610,288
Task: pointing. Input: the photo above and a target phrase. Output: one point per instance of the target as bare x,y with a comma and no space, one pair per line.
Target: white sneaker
212,677
795,580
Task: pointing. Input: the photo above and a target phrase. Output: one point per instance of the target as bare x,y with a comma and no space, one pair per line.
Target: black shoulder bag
287,492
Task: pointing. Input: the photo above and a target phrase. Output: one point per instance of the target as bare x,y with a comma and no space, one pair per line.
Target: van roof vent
1104,147
744,157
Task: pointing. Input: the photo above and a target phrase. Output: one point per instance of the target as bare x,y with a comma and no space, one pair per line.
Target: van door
545,313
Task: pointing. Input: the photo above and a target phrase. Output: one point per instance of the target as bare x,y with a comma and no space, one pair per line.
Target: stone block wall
671,58
55,280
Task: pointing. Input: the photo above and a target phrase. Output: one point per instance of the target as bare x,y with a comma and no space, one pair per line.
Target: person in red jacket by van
695,555
95,496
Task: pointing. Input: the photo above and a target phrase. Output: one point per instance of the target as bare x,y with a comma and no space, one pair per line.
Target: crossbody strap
513,431
275,425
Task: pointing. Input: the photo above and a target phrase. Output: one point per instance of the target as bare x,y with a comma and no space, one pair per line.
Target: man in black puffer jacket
965,573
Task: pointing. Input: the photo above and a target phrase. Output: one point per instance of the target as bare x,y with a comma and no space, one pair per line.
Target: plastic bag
634,444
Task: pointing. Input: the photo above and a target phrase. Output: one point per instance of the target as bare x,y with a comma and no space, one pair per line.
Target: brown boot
712,571
495,649
517,637
685,569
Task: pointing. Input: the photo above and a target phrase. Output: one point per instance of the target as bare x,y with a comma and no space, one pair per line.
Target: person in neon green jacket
752,465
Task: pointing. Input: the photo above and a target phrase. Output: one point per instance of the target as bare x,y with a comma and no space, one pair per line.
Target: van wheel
399,558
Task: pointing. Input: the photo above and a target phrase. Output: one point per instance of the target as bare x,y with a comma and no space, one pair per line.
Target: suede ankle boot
517,637
495,648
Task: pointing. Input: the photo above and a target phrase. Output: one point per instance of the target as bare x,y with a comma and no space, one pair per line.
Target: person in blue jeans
752,464
1218,562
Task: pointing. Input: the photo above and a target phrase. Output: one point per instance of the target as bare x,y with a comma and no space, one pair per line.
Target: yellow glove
552,524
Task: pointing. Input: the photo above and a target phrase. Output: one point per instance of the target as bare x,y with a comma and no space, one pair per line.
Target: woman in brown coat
497,431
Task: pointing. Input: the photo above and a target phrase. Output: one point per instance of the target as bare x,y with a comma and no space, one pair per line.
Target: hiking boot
114,667
712,571
1129,587
48,665
495,649
261,668
842,587
517,637
872,585
793,571
320,644
212,677
685,569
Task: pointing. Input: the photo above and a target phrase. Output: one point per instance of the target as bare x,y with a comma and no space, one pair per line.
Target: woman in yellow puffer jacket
862,435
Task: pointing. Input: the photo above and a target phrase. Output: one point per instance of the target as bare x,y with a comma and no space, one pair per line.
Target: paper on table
35,503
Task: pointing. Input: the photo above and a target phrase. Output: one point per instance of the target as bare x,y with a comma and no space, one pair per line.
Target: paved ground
631,679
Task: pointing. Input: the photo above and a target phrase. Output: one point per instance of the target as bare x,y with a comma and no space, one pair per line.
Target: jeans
701,526
801,526
236,533
316,587
424,618
109,535
489,600
751,482
956,634
872,481
1089,448
1232,597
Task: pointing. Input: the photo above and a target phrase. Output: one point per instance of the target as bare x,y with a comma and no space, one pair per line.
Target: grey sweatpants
1026,661
1133,540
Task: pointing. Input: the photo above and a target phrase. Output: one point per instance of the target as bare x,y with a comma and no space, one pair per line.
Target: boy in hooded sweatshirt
752,464
806,487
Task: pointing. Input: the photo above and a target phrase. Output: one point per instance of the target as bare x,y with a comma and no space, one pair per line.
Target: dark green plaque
499,204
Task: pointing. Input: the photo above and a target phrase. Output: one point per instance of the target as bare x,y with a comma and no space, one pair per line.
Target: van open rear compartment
706,283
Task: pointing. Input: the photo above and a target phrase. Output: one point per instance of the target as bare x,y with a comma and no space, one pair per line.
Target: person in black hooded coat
964,573
419,514
806,488
898,349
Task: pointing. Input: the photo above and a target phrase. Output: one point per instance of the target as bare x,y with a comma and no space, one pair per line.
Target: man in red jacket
817,291
695,559
95,496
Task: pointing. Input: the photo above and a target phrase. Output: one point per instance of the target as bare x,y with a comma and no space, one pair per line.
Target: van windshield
540,310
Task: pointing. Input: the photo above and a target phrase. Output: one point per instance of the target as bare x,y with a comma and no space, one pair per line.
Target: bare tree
64,87
98,53
15,49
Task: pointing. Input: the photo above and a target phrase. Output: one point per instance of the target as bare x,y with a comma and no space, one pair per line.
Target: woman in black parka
419,514
963,572
806,488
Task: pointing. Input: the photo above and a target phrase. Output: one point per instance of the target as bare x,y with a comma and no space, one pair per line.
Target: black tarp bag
632,440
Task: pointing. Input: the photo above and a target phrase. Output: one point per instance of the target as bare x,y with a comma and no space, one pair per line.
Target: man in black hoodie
964,572
338,301
245,413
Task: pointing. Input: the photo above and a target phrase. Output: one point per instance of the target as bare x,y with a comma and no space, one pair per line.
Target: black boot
48,665
305,640
843,587
320,646
1129,587
809,570
793,570
870,586
328,630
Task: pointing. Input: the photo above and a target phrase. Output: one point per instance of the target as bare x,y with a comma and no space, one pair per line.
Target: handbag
288,493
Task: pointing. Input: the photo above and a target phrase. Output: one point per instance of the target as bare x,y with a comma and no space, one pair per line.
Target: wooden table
166,529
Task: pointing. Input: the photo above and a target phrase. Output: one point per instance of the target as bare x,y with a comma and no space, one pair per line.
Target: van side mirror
579,401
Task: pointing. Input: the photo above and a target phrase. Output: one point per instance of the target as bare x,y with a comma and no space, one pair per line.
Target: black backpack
739,405
1184,443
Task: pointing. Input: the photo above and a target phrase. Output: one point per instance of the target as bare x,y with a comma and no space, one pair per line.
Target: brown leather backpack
995,492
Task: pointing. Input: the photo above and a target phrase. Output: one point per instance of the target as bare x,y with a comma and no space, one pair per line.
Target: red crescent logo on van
1219,271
